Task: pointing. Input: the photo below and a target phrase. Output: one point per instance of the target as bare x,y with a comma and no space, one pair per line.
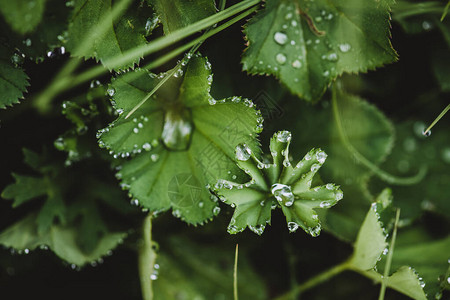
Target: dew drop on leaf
147,147
292,226
284,136
111,91
177,130
243,152
321,156
216,210
297,64
280,37
280,58
344,47
283,194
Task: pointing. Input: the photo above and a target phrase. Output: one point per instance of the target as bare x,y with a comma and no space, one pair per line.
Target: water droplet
292,42
292,226
27,42
427,25
294,23
216,210
318,19
176,213
344,47
201,204
147,147
338,195
154,157
111,91
297,64
314,231
280,37
332,57
283,194
315,167
17,59
59,144
325,204
177,131
243,152
288,16
134,202
280,58
321,156
135,130
326,73
258,229
329,186
426,133
284,136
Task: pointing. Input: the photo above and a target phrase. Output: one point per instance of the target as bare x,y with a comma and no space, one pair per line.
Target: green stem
364,161
177,35
64,80
437,119
445,11
194,45
406,10
389,258
235,280
316,280
147,257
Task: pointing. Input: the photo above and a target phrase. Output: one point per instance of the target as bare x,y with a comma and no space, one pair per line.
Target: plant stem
316,280
235,280
364,161
64,79
146,260
437,119
389,258
406,9
194,45
445,11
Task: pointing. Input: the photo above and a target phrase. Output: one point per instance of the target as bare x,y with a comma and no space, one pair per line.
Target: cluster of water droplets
292,49
283,194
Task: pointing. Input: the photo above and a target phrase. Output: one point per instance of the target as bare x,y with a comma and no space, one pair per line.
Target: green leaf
429,258
370,243
368,131
118,36
70,221
203,272
277,184
25,189
23,16
13,80
181,139
307,44
62,240
176,14
405,280
414,151
48,38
